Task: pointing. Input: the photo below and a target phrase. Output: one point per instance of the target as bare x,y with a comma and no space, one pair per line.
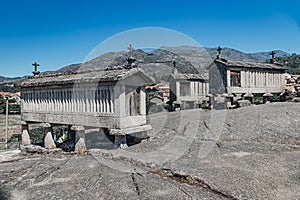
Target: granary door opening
185,89
235,78
134,102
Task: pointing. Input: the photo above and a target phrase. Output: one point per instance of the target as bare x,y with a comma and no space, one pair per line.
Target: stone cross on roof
130,59
219,49
130,50
35,64
273,54
272,60
174,69
35,72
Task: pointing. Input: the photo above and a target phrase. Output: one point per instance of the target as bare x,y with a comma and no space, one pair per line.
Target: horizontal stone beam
130,130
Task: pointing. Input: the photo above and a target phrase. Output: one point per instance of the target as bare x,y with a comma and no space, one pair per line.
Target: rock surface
296,99
245,153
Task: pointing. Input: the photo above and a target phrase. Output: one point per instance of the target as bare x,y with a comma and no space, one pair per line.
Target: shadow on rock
4,195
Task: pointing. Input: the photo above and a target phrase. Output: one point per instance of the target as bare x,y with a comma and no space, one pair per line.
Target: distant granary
187,91
236,79
112,100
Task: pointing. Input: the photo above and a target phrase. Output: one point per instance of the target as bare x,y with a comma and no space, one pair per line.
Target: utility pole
6,122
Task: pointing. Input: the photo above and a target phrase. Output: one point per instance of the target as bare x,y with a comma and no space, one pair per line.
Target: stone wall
14,129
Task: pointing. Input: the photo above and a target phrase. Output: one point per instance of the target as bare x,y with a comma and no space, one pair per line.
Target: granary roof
254,65
182,76
107,75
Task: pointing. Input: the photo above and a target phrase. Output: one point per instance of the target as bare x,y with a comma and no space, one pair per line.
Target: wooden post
6,124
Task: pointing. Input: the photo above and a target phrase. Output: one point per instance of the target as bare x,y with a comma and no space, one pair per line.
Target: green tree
37,135
12,107
292,62
9,87
2,104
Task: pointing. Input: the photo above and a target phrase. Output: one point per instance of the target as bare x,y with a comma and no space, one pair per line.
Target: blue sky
57,33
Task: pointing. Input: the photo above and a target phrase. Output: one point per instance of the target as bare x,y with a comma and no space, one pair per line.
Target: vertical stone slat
112,100
87,100
80,108
97,101
106,101
101,101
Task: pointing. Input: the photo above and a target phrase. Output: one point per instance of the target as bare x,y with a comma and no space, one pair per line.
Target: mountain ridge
159,62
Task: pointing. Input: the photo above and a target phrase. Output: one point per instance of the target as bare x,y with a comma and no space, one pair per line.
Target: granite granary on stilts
187,91
112,101
236,80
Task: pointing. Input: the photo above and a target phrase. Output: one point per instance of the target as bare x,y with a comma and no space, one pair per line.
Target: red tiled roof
10,94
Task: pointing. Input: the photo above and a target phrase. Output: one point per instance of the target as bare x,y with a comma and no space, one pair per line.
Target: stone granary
187,91
111,100
236,79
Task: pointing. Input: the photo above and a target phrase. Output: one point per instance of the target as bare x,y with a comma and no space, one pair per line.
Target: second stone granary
237,78
188,90
113,99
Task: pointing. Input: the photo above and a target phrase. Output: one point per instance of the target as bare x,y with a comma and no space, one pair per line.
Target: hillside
292,62
262,56
2,79
9,84
233,54
159,62
8,79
